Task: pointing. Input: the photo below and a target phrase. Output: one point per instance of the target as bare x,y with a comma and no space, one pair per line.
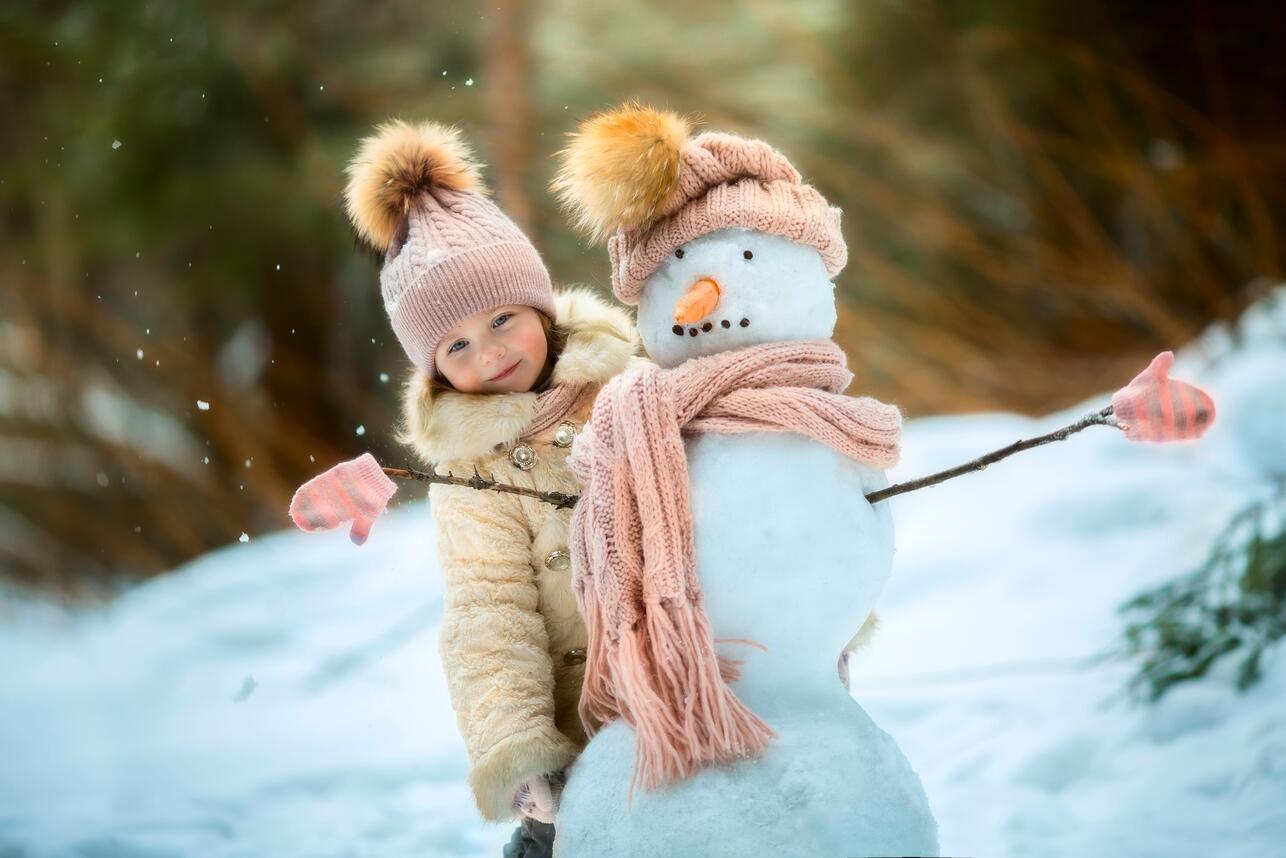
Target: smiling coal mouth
692,331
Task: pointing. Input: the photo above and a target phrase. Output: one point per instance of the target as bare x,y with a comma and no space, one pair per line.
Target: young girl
506,373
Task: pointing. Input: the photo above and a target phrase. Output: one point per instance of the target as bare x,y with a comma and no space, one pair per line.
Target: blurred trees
171,206
1037,198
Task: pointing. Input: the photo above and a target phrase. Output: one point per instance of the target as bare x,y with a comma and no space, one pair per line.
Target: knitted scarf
650,657
552,405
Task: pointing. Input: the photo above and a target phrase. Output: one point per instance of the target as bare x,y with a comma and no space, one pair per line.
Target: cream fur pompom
619,168
396,164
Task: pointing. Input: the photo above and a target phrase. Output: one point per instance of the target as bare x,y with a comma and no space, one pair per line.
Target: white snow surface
284,697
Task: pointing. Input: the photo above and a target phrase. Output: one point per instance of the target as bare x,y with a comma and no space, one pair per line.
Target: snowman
724,549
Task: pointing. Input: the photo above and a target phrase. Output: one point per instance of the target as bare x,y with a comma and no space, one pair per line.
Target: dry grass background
1031,214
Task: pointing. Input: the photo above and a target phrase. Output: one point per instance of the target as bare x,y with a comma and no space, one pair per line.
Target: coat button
564,434
523,457
558,560
574,656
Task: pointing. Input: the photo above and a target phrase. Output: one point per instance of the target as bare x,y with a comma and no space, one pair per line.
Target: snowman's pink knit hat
414,194
635,176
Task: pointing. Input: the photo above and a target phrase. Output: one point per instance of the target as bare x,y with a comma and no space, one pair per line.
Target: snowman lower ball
722,247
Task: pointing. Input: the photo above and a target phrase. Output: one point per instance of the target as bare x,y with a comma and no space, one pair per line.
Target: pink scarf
552,406
651,658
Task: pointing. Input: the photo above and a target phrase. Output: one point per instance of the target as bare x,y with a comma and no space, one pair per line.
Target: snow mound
874,803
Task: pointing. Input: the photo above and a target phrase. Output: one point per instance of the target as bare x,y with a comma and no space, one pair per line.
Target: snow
284,697
885,811
277,698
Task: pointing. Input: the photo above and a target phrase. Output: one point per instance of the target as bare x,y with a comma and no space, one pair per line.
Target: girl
506,373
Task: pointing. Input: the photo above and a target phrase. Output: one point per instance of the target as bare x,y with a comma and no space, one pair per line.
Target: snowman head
716,237
734,288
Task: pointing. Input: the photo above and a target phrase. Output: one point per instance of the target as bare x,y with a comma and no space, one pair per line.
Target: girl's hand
538,797
357,490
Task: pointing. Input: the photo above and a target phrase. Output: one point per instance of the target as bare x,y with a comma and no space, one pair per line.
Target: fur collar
447,425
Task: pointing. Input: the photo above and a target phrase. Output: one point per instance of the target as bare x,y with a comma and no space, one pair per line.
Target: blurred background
1038,197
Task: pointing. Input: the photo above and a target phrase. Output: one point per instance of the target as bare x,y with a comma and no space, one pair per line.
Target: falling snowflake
245,537
116,144
383,378
139,354
361,430
469,82
248,685
203,405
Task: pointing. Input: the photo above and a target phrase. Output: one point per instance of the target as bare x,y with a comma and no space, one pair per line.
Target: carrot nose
698,302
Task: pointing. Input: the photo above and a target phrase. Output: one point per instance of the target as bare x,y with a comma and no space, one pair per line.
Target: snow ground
284,697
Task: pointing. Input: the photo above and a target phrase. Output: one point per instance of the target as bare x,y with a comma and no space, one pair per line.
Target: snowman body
791,556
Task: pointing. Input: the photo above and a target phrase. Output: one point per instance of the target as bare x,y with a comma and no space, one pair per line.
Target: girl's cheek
534,341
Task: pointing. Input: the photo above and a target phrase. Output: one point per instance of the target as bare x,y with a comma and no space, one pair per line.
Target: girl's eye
500,320
456,346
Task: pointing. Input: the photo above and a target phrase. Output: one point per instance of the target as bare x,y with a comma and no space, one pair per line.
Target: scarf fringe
651,666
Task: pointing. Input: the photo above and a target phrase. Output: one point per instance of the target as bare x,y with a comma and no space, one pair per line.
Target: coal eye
748,254
679,253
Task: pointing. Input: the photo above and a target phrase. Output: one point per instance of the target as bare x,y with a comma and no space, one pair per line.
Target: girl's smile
506,373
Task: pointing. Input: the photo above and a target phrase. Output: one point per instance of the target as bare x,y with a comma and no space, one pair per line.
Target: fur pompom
396,164
619,168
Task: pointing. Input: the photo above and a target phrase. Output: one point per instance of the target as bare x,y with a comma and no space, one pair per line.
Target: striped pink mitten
1155,407
354,491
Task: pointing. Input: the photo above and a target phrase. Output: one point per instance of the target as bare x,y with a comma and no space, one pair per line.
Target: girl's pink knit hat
414,194
634,176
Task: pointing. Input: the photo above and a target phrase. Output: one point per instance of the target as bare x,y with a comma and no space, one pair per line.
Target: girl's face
501,350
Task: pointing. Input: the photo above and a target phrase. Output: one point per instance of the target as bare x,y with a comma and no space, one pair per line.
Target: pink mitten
1154,407
354,491
538,797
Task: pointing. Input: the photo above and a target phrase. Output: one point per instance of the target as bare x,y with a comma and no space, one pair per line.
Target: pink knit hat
634,174
414,194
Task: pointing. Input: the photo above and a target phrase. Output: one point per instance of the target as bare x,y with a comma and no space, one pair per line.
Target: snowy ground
284,697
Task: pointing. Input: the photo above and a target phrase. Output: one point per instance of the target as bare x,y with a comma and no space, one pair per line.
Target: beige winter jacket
513,644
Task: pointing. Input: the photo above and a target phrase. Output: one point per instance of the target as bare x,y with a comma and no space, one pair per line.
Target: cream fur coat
512,641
